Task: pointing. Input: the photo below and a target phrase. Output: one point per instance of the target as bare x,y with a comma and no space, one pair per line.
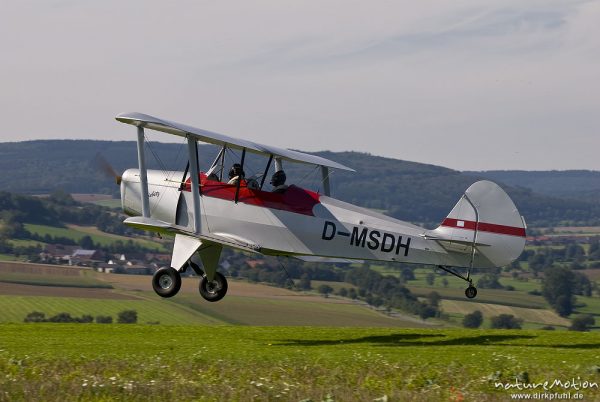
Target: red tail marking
484,227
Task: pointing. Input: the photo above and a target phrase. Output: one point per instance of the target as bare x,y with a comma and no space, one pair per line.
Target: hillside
54,289
582,184
407,190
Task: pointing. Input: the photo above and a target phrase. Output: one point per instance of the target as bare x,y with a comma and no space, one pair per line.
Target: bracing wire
329,173
310,172
162,167
285,270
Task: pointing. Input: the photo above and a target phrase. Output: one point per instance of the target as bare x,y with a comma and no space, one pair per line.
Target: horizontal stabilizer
448,239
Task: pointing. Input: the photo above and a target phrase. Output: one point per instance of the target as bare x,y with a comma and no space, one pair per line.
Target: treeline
406,190
56,210
372,287
572,255
123,317
388,291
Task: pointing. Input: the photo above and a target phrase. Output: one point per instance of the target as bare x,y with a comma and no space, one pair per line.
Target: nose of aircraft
102,164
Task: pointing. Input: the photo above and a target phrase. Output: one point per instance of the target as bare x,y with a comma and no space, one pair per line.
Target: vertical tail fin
485,217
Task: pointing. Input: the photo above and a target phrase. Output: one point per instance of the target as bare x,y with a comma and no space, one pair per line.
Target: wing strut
262,181
143,172
239,182
193,159
325,176
187,168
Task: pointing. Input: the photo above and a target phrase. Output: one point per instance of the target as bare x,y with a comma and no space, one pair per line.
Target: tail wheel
166,282
471,292
214,290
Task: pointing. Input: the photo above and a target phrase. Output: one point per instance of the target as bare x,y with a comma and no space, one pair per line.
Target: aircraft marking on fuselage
371,238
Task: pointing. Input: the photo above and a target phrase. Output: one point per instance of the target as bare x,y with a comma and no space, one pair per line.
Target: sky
466,84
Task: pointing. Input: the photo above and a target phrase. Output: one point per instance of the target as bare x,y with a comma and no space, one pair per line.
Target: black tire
166,282
215,290
471,292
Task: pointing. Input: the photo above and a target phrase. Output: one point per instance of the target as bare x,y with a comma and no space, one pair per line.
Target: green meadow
16,308
148,362
76,233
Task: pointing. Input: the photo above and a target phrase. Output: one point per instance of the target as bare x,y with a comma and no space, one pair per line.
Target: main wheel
471,292
214,290
166,282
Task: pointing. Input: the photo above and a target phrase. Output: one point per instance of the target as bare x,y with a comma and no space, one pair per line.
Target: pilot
278,182
235,174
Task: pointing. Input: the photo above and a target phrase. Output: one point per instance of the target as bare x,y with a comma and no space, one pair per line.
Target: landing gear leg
471,291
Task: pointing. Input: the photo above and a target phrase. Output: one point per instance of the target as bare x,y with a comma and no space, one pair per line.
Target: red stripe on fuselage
294,199
484,227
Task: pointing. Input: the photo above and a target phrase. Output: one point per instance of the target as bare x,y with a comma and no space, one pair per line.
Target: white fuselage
329,228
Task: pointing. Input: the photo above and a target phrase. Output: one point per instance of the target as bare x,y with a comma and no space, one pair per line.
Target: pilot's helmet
236,170
278,178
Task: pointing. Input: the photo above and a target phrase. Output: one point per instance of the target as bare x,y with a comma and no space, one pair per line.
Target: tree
433,298
574,252
61,317
86,318
61,197
426,311
407,274
582,322
304,283
325,289
582,285
594,251
557,289
127,317
86,242
506,321
35,316
489,281
473,320
104,319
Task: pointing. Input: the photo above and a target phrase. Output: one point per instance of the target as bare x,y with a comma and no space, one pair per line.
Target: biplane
205,212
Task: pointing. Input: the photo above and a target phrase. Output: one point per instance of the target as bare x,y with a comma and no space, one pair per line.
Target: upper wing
154,123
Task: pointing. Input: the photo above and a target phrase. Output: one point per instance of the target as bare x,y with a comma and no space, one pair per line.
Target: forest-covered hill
565,184
407,190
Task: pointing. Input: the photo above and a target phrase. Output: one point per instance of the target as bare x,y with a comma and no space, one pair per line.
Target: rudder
486,217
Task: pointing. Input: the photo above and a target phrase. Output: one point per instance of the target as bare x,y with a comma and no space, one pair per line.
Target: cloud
437,82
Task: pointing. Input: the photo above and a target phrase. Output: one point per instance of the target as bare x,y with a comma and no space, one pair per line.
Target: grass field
112,203
75,232
50,275
539,316
82,291
15,308
145,362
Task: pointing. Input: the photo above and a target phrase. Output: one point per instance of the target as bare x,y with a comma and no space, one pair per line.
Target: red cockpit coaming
294,199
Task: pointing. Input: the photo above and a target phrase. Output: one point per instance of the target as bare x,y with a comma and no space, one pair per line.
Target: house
57,253
85,257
